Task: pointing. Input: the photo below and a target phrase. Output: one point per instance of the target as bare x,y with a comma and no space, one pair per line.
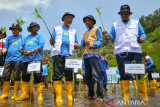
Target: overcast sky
53,10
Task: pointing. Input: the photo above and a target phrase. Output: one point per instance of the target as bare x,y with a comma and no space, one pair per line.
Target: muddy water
114,98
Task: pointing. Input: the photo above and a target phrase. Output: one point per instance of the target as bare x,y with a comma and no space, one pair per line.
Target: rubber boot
40,103
16,87
154,83
6,85
134,84
25,92
151,82
58,89
69,87
143,90
125,89
39,89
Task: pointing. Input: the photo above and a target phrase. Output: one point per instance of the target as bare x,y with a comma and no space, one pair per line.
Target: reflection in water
110,98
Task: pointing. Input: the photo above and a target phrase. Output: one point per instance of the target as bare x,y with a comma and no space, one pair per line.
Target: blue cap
100,52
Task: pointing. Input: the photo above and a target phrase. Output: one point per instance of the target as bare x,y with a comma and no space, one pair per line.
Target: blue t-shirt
30,43
13,45
95,45
65,41
45,68
117,71
83,65
141,33
151,63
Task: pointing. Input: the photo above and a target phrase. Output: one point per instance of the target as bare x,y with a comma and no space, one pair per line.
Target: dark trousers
84,79
75,82
59,69
120,61
45,81
93,70
150,76
26,77
118,81
9,65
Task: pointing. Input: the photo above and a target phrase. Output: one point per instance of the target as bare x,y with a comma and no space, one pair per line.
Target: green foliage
20,21
98,10
3,30
151,22
151,26
38,13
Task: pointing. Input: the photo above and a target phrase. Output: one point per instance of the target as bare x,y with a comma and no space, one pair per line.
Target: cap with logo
124,8
15,25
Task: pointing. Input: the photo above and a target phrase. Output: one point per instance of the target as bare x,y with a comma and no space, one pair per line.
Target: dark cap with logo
67,14
15,25
91,17
124,8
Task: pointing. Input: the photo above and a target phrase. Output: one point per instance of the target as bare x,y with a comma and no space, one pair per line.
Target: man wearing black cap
13,61
127,35
32,51
92,41
2,41
65,45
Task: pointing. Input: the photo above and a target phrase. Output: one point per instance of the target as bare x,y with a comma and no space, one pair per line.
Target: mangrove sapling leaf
39,15
3,30
20,22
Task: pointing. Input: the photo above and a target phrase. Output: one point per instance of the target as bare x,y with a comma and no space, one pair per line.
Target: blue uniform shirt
95,45
13,45
104,64
65,40
30,43
151,62
83,65
141,33
45,68
117,71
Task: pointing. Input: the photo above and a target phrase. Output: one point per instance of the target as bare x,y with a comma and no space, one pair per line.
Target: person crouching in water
104,67
33,45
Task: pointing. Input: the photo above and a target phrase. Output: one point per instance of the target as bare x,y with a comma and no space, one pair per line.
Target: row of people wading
124,33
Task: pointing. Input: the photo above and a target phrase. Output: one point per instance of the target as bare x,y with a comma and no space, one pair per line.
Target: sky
53,10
